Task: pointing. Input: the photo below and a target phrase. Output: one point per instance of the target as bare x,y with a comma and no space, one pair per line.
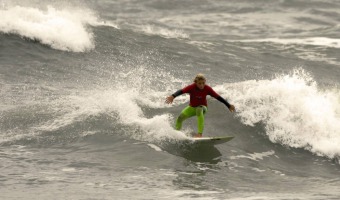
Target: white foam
78,108
255,156
316,41
293,110
258,170
317,56
123,104
164,32
61,29
70,169
156,148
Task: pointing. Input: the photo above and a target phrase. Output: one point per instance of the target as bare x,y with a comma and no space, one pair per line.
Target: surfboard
212,140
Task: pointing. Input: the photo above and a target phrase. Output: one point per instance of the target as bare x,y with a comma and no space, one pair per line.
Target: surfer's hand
232,108
169,99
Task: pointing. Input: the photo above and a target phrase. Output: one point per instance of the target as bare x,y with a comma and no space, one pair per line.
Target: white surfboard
212,140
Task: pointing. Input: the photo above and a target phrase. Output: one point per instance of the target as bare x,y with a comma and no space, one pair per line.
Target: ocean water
83,85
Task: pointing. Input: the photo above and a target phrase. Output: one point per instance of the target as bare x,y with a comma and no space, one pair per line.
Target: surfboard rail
212,140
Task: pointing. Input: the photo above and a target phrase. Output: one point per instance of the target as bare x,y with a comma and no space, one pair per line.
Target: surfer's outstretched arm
177,93
220,99
171,98
230,106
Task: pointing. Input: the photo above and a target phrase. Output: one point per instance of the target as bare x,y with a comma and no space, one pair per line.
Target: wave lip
61,29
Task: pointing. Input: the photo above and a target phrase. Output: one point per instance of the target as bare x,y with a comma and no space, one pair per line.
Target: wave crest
293,110
61,29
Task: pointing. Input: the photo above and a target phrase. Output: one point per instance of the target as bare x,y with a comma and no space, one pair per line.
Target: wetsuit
198,104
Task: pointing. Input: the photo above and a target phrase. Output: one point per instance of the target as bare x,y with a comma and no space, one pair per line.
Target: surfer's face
200,84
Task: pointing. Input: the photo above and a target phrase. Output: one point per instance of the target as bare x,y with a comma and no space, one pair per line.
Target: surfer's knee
181,117
199,111
179,121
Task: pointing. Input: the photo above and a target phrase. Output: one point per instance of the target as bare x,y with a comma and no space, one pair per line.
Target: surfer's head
200,81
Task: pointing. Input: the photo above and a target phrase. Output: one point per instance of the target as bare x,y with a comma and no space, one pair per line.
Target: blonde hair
199,77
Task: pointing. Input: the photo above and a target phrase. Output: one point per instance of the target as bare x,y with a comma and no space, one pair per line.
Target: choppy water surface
83,84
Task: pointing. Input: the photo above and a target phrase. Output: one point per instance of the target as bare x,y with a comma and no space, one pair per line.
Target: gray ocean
83,85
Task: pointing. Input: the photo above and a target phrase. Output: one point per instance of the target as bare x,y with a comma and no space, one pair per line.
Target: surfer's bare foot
197,135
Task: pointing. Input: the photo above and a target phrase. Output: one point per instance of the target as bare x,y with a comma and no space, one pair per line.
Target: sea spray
123,107
293,109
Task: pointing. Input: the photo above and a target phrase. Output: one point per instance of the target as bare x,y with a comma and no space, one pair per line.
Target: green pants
190,112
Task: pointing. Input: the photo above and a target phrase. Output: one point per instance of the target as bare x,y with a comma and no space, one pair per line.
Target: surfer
198,103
